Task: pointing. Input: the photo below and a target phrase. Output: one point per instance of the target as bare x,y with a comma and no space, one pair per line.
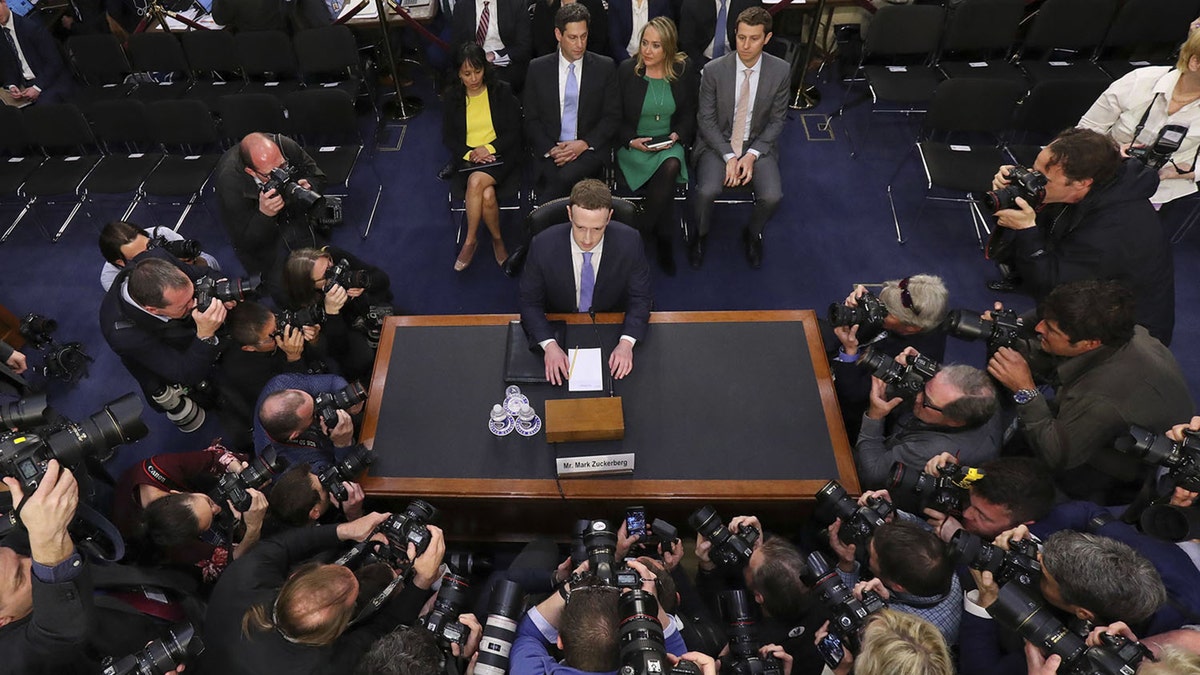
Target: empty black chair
1049,108
65,137
212,59
122,128
18,159
101,64
188,134
268,62
1063,39
328,57
980,35
245,113
162,55
1144,33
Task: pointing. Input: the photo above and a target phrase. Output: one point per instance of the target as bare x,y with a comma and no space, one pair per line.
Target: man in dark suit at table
707,28
30,62
588,264
742,108
572,107
501,27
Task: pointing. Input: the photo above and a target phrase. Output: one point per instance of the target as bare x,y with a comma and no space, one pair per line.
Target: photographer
1013,491
287,421
262,225
1095,222
582,619
957,412
298,500
163,502
123,243
346,296
897,643
912,572
150,319
1168,659
1107,373
266,615
413,651
915,307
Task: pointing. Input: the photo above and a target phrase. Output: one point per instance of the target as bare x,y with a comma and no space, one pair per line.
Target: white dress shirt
641,16
577,269
1120,108
723,37
740,72
491,43
26,71
109,272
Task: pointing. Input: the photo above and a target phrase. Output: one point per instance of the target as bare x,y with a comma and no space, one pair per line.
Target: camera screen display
830,648
1173,137
635,521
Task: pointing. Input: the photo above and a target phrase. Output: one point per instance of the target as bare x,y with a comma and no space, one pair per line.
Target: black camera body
184,249
327,404
408,527
948,491
600,541
234,487
642,648
743,658
341,274
868,314
452,600
729,549
25,454
225,290
1028,184
1005,329
1157,154
61,361
1182,460
298,318
905,381
858,522
352,465
323,212
38,329
161,656
1019,564
848,614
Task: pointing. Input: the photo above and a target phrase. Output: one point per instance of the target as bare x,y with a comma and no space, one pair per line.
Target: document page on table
585,371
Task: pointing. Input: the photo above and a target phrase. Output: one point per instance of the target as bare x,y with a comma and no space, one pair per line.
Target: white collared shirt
26,71
740,72
562,82
641,16
577,270
491,43
723,37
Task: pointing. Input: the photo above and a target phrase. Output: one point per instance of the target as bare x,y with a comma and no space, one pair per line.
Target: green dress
638,166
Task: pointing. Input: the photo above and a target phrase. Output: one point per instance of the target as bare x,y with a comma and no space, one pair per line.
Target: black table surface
718,400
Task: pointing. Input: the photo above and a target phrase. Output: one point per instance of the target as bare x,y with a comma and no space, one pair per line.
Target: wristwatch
1023,396
211,339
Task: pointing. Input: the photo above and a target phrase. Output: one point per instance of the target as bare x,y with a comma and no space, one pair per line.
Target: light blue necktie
722,28
570,113
587,282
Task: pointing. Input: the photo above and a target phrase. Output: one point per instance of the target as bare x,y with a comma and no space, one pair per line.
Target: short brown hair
591,194
312,608
756,16
1083,154
151,278
589,629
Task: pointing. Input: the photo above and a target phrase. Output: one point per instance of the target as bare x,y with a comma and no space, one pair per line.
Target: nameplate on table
594,465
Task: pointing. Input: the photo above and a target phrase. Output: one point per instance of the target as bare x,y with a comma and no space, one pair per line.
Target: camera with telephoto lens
371,323
470,564
1028,184
948,491
868,314
61,361
347,278
500,629
1157,154
38,329
858,522
1182,460
25,413
327,404
323,212
1029,617
161,656
402,529
234,487
848,613
225,290
1004,329
729,549
352,465
640,636
1018,564
299,318
743,658
452,599
24,454
905,381
184,249
600,540
180,408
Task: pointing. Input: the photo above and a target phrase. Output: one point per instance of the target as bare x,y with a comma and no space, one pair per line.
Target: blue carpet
833,230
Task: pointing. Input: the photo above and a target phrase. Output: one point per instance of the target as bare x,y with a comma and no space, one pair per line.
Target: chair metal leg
137,199
371,218
1175,238
978,221
66,223
895,218
17,221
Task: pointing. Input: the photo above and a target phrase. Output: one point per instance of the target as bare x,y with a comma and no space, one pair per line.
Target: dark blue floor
833,230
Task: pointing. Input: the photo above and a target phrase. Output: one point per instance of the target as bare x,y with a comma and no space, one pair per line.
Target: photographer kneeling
123,244
307,418
896,643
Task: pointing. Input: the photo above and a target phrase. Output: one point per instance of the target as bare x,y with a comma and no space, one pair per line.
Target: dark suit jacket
716,108
599,107
513,17
620,24
622,282
633,96
506,120
698,22
49,73
544,41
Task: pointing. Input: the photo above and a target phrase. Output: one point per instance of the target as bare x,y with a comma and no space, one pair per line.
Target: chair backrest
98,58
1056,105
210,51
263,52
970,104
1147,23
14,137
320,114
1070,24
182,122
157,53
899,30
58,127
980,26
326,50
554,212
120,120
245,113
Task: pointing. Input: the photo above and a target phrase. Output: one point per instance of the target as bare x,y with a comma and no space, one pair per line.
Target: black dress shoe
447,171
754,249
666,257
696,252
1005,285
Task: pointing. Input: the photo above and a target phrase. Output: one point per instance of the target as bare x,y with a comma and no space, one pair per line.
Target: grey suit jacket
714,116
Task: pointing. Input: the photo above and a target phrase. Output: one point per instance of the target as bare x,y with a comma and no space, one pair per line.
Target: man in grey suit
743,105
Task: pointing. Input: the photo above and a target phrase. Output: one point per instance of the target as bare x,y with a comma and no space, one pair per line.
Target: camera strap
1141,125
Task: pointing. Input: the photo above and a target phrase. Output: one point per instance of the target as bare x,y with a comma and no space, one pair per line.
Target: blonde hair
313,608
1172,661
896,643
672,58
1190,48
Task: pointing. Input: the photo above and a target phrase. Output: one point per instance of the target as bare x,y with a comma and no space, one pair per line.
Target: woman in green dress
658,119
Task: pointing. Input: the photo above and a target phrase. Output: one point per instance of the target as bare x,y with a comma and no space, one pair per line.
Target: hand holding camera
1011,369
361,528
427,565
335,299
879,405
47,513
209,320
270,203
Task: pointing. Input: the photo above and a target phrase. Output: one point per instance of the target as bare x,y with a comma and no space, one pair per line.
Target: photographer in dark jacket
1095,222
261,225
285,420
298,499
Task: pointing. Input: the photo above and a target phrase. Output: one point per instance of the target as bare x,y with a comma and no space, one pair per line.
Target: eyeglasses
906,298
926,402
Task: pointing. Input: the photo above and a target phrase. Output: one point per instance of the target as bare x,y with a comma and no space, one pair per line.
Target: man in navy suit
29,61
502,28
588,264
572,107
